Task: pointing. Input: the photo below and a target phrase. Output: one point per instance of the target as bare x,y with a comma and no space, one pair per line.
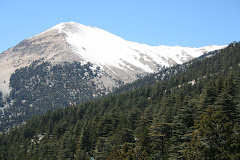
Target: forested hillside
180,70
193,115
44,86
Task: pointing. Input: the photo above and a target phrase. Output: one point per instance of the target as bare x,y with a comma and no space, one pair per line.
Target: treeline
44,86
172,119
192,70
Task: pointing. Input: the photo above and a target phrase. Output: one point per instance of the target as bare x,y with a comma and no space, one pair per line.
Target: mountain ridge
160,121
119,59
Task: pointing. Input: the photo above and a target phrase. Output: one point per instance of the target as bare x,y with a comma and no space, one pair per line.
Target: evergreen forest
193,114
43,86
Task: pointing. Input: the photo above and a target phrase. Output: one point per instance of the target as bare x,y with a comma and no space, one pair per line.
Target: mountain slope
156,121
121,60
194,66
72,63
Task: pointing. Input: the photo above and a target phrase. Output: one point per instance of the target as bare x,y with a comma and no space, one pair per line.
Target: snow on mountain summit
100,47
119,60
105,49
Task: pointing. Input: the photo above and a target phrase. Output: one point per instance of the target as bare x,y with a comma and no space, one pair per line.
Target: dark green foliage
227,97
215,138
128,153
42,87
1,100
193,70
152,122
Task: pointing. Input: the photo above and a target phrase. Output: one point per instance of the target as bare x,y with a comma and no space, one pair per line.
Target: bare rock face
120,61
45,47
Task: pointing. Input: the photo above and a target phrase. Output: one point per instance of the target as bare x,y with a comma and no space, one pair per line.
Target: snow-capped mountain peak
118,59
105,49
100,47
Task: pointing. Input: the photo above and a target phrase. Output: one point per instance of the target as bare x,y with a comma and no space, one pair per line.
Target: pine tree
215,138
182,126
143,138
227,98
67,146
128,153
83,142
209,94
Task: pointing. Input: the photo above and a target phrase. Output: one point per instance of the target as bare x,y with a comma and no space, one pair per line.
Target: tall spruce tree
215,138
227,98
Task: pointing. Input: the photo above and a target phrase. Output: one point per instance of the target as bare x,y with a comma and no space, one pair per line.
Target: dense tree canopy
174,119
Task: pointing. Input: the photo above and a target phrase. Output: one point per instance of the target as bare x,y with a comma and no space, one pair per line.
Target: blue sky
188,23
